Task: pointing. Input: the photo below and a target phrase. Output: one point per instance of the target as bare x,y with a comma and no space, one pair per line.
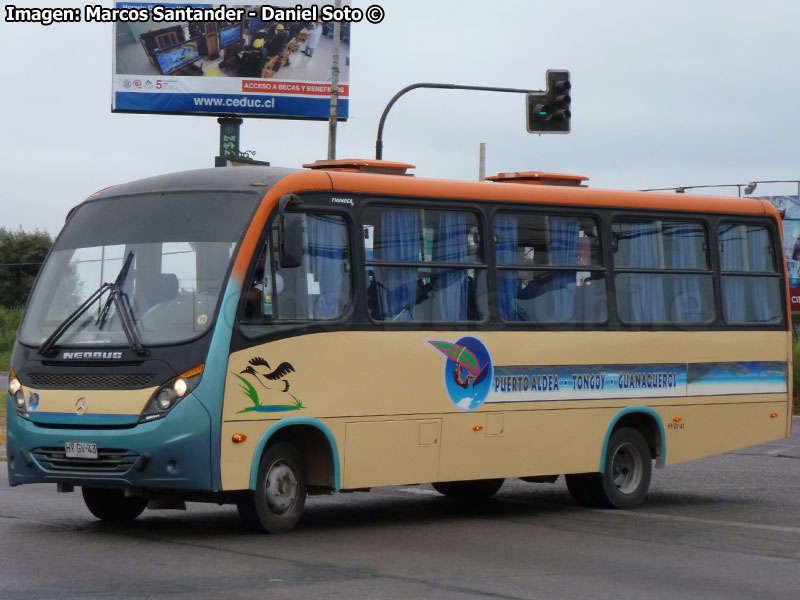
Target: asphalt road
724,527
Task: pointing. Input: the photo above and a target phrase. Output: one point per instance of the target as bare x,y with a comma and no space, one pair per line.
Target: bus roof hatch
539,178
362,165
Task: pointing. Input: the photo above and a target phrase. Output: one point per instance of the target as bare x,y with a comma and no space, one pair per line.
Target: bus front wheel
468,490
280,495
626,477
112,505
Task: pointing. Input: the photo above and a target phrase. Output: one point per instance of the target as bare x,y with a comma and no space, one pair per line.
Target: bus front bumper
172,453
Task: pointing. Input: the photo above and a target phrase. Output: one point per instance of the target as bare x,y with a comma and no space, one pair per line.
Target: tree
21,255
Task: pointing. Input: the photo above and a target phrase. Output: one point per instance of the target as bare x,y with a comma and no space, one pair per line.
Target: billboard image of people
253,60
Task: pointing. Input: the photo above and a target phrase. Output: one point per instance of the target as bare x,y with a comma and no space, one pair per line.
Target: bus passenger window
317,289
662,272
424,265
751,292
549,269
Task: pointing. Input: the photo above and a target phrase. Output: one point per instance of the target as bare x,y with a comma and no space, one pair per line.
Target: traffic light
549,112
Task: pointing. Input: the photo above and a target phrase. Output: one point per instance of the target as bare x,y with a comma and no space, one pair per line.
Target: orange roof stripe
565,195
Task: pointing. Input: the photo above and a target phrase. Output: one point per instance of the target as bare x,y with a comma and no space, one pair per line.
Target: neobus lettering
83,355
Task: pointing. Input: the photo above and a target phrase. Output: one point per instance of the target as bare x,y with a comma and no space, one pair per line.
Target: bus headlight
18,396
168,395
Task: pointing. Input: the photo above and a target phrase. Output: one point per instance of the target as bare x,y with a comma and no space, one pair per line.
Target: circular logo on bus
467,371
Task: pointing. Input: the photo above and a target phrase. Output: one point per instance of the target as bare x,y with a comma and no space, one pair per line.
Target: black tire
580,487
112,505
280,495
477,489
626,476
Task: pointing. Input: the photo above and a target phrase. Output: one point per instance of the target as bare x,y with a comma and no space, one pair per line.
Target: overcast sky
686,92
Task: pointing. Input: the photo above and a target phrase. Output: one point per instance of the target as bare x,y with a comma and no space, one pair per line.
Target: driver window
317,289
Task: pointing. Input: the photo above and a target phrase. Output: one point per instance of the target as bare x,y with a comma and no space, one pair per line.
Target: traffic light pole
437,86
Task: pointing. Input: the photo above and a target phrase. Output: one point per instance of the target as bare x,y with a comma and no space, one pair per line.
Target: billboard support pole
228,139
334,114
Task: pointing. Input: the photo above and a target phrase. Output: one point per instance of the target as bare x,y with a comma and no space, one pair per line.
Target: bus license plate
81,449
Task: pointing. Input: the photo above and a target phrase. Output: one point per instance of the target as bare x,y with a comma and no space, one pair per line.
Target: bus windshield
181,245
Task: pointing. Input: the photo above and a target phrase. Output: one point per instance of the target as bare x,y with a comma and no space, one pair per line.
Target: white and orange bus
252,335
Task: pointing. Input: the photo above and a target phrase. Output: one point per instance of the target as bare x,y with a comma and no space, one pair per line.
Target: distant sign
790,206
255,60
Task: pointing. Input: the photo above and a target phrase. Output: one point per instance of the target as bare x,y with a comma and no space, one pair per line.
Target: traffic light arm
439,86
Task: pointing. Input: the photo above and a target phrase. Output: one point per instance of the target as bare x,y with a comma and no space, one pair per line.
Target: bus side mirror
290,236
290,233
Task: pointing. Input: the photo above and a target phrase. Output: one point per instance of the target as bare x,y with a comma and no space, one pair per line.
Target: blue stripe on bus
317,424
634,410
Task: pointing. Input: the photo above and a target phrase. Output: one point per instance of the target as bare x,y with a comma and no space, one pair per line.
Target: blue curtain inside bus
326,247
564,233
758,253
505,231
647,290
732,259
451,284
398,240
687,299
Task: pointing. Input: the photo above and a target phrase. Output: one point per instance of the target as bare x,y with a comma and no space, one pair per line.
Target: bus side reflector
678,419
238,438
773,415
477,428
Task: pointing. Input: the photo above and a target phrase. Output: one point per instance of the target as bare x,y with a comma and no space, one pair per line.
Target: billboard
790,207
255,60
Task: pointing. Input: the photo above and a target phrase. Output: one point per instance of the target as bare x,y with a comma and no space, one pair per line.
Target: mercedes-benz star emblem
81,406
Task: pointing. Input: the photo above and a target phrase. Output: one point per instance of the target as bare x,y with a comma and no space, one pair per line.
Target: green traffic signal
548,112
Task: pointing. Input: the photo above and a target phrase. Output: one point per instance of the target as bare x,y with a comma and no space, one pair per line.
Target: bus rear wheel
478,489
625,479
112,505
280,495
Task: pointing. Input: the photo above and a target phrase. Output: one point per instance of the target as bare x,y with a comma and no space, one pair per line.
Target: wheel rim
282,488
627,468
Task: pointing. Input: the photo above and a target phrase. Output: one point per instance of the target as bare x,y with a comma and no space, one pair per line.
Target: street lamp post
751,187
681,189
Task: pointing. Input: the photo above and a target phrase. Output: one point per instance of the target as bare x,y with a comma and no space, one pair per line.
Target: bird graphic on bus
278,374
268,380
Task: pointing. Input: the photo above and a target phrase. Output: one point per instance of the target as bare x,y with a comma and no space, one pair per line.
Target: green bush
9,322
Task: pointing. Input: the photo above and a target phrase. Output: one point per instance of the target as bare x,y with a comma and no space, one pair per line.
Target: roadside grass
9,322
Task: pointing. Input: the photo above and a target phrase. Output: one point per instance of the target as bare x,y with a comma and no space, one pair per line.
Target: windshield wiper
124,310
115,289
120,301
